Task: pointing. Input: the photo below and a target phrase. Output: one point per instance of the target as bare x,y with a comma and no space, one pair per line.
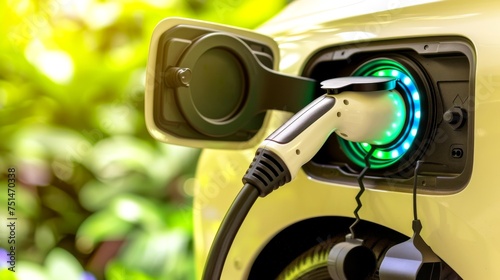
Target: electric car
226,90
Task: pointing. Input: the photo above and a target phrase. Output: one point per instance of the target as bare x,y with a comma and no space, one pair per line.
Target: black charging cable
228,229
361,189
267,172
414,194
418,166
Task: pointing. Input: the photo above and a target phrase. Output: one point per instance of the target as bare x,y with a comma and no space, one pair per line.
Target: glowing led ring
388,155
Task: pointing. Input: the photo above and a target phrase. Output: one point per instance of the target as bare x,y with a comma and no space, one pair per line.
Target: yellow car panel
462,227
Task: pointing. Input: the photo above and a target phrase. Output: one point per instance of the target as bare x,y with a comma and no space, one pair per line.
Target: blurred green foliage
96,196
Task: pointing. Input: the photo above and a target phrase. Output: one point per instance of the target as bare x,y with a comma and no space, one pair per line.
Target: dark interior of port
441,70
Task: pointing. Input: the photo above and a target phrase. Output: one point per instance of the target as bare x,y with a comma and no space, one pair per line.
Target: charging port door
211,86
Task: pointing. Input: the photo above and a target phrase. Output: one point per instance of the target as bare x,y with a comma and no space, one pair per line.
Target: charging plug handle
373,117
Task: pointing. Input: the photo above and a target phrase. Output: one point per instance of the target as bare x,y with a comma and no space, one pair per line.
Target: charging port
430,84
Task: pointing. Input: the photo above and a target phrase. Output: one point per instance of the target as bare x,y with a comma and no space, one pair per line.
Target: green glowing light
403,129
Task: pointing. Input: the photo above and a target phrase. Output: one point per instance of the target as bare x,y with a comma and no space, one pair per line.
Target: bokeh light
98,198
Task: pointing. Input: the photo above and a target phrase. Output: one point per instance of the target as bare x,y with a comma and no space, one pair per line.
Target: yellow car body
460,224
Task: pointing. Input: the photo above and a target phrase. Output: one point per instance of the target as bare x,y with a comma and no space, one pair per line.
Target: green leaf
31,271
118,271
96,195
6,274
138,210
161,254
61,265
116,156
100,226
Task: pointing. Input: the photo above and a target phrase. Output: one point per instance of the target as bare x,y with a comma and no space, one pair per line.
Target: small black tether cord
227,231
415,179
361,189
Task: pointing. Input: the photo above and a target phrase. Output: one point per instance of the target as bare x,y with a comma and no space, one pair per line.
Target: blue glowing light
388,155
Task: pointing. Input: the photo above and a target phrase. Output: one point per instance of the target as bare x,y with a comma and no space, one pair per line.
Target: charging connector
370,111
360,109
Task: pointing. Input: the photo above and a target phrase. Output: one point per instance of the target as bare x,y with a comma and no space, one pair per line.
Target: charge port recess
438,90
